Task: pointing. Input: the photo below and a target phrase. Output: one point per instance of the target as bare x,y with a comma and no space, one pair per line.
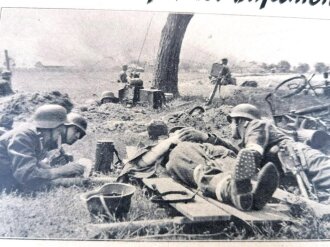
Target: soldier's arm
25,163
215,140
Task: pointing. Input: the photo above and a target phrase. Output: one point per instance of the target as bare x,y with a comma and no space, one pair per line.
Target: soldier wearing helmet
213,165
108,97
75,129
23,149
263,141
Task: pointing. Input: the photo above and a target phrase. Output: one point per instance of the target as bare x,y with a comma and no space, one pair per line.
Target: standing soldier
123,74
5,83
22,150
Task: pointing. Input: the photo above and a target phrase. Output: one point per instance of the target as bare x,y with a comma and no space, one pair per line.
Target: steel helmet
50,116
107,94
78,121
244,111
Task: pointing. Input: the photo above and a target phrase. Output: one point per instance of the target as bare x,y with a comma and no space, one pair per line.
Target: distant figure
326,90
226,72
123,74
326,81
5,83
108,97
222,71
6,124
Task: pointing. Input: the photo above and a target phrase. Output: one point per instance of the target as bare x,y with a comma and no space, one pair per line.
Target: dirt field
24,216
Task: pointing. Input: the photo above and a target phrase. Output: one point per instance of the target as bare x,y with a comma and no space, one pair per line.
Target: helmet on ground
244,111
78,121
107,95
50,116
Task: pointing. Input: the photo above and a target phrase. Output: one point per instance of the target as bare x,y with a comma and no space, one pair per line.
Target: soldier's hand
192,135
73,169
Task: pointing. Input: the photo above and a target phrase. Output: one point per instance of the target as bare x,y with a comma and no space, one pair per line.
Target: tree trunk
168,57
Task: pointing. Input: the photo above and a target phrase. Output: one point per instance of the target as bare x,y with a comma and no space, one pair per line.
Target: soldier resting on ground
22,150
216,167
261,143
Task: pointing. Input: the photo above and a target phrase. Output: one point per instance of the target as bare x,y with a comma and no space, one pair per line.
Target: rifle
293,161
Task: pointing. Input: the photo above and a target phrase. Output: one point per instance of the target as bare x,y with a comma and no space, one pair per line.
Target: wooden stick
135,225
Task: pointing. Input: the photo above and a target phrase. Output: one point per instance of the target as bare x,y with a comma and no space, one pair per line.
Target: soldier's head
76,127
325,75
49,120
107,97
125,67
239,118
224,61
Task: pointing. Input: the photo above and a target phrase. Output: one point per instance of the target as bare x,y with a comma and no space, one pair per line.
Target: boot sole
245,169
245,166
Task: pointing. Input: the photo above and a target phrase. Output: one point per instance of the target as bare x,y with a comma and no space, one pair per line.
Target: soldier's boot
228,189
241,186
267,183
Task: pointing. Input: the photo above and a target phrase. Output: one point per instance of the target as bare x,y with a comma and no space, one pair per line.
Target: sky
90,37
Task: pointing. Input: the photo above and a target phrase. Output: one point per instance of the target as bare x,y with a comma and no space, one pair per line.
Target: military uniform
123,76
266,138
21,150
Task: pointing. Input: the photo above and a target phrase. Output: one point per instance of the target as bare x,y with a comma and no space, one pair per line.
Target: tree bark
168,57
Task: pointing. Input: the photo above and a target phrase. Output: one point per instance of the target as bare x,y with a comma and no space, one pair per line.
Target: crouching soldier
22,149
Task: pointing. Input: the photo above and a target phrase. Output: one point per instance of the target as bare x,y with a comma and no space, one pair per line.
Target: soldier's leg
236,188
183,159
318,167
223,187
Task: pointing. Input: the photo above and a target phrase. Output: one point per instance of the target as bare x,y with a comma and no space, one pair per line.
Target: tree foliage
302,68
320,67
283,66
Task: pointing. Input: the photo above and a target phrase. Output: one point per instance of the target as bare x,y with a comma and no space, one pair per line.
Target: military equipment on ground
293,162
301,84
104,156
156,129
152,97
112,201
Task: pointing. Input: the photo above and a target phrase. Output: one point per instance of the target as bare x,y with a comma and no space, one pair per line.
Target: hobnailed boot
267,183
241,187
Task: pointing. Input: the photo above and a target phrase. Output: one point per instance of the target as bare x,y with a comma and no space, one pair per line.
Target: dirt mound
22,105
